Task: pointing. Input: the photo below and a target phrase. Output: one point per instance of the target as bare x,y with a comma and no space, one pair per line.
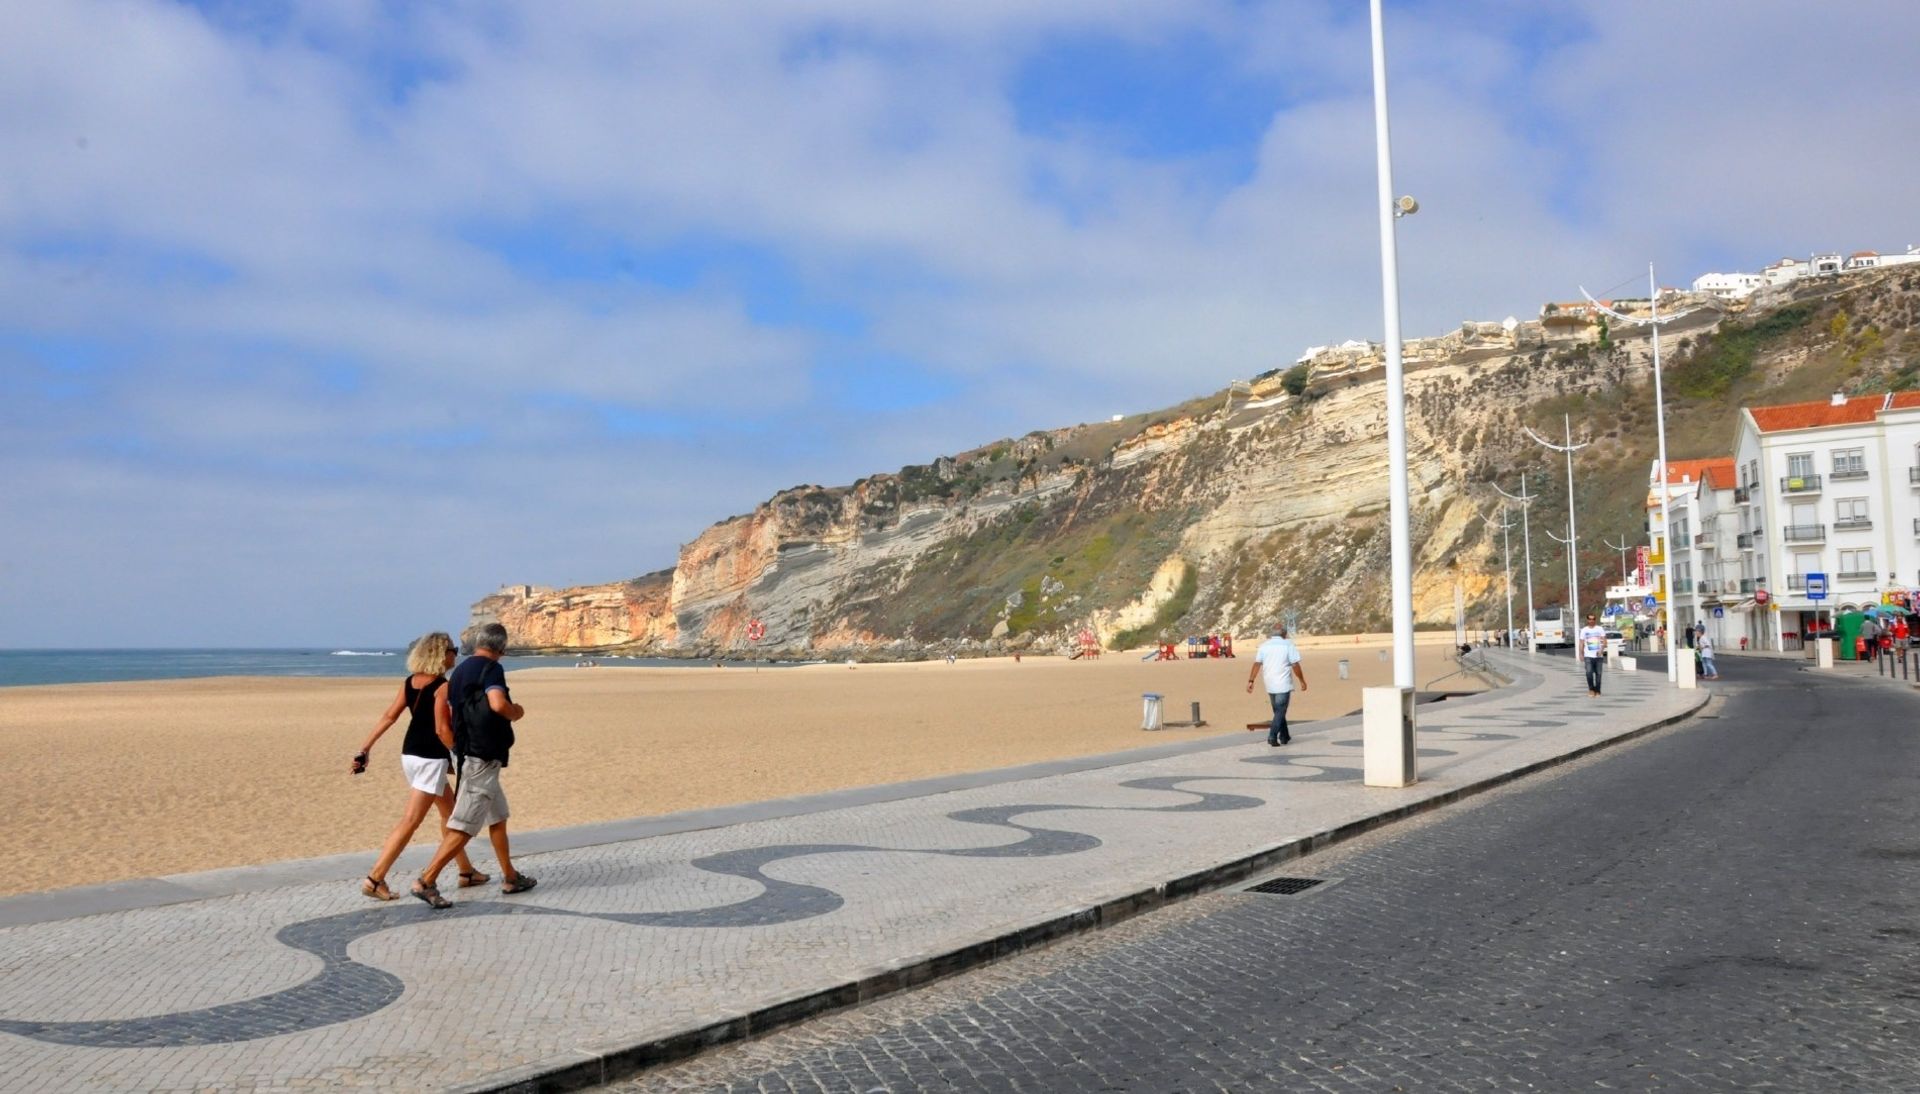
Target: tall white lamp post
1506,558
1622,548
1387,723
1660,423
1526,541
1573,532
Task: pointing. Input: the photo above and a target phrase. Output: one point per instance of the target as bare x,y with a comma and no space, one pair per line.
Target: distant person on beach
482,712
1593,651
1279,660
424,758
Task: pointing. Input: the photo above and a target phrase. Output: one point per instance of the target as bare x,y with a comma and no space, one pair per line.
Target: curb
594,1065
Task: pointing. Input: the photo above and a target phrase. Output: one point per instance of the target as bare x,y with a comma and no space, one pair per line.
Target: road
1730,904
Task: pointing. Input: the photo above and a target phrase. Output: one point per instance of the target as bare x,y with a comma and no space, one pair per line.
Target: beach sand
111,781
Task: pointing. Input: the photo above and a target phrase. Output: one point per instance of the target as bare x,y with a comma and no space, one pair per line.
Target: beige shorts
480,803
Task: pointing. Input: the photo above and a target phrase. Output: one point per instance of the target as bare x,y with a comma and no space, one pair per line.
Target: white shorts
428,776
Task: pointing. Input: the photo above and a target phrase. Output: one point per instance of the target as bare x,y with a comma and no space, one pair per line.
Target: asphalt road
1730,904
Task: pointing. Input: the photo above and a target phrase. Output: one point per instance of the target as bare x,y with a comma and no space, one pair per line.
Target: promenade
648,939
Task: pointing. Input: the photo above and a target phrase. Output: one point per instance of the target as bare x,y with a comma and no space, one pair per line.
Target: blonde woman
425,757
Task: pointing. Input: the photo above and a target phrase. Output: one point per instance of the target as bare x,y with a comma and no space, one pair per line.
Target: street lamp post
1526,545
1573,533
1622,548
1388,757
1506,558
1660,424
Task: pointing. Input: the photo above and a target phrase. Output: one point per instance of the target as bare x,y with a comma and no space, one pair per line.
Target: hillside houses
1739,286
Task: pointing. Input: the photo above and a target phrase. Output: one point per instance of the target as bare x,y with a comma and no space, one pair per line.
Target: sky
320,320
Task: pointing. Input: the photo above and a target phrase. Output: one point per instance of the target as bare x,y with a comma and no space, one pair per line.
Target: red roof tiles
1716,471
1855,411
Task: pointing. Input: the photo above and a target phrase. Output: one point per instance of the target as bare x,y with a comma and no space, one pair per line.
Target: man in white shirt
1279,660
1593,648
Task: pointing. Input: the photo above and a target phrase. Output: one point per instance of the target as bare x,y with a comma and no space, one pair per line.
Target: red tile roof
1716,471
1855,411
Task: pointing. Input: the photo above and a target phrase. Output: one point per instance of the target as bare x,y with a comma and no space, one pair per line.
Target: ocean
18,667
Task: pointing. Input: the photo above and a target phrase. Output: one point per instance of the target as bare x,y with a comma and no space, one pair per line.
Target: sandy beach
111,781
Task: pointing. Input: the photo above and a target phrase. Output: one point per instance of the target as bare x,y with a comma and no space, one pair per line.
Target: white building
1733,286
1706,566
1831,263
1826,488
1785,270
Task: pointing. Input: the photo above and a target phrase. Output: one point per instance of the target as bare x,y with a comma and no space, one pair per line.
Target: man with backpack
480,713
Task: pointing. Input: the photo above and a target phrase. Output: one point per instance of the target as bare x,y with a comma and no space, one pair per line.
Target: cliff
1225,512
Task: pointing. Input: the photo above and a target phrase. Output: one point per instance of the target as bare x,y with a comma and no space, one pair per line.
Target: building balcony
1852,524
1849,473
1916,526
1682,586
1705,542
1747,584
1805,533
1800,484
1745,539
1913,476
1856,575
1743,495
1796,583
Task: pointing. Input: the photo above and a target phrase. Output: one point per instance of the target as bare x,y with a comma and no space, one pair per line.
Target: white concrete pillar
1683,661
1823,653
1387,727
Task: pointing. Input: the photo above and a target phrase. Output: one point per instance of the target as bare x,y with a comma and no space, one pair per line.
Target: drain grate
1286,886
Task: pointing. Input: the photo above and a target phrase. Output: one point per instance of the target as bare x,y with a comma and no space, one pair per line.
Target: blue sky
319,320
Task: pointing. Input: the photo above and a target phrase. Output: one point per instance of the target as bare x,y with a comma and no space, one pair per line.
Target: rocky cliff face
1225,512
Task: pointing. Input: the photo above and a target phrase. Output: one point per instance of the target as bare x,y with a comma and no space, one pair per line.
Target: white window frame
1849,509
1857,555
1848,460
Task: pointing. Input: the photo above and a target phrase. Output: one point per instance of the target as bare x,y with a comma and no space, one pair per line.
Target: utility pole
1506,557
1573,534
1660,423
1622,548
1526,539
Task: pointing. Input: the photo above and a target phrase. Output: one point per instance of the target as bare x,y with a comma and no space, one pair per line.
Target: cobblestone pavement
1731,904
311,986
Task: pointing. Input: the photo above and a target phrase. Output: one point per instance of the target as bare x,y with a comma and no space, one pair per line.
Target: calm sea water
19,667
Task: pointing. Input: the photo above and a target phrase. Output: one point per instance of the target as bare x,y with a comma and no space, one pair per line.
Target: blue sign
1816,586
1651,605
1719,613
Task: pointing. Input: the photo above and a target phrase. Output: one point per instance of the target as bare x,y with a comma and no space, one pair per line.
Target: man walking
1593,648
1279,660
479,712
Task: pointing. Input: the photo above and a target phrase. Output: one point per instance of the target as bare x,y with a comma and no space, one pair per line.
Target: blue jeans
1277,732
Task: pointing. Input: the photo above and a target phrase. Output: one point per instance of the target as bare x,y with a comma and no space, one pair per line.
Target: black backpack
479,731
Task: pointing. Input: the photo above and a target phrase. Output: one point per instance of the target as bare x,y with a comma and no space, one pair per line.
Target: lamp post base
1387,750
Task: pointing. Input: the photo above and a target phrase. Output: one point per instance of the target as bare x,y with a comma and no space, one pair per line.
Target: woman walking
425,757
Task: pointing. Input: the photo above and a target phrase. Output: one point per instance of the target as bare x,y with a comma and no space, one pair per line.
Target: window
1856,564
1799,465
1851,513
1806,563
1849,463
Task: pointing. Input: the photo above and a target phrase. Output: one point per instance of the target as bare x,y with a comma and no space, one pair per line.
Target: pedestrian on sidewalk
1593,648
1704,649
481,710
424,758
1278,659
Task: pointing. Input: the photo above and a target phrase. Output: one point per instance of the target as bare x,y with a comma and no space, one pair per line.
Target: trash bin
1344,666
1150,710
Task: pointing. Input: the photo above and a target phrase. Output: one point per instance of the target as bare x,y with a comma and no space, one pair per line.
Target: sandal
376,889
520,884
471,878
430,895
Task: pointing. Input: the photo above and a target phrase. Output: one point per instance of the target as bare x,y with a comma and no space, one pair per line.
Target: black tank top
421,740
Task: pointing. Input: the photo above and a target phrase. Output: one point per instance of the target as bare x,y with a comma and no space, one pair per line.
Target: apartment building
1706,575
1825,488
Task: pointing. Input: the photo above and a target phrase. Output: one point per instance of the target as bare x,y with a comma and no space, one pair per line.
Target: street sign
1816,586
1640,565
1719,613
1651,604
